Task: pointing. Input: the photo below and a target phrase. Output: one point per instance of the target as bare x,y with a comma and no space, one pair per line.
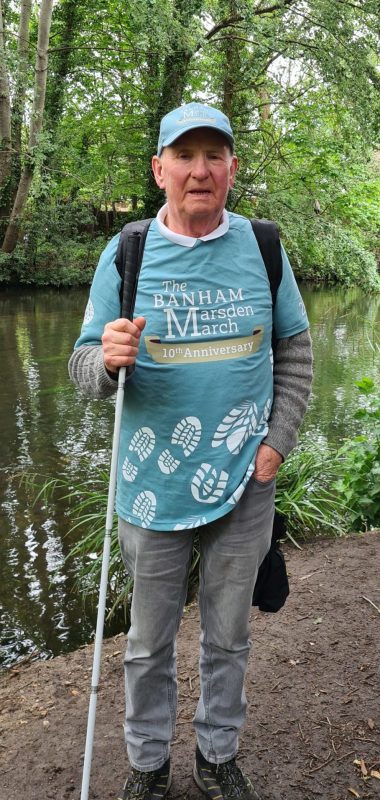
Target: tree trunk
173,82
68,18
18,106
231,65
5,113
12,232
264,111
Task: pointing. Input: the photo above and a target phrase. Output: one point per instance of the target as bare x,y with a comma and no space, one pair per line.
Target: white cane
129,290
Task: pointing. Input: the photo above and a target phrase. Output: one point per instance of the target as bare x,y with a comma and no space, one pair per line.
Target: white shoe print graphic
236,427
262,428
129,470
207,486
144,508
88,313
190,522
236,495
266,412
240,489
187,434
143,442
167,463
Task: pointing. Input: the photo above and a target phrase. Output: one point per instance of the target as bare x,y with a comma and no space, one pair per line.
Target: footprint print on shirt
144,508
167,463
207,486
129,470
266,411
235,497
187,434
143,442
190,522
236,427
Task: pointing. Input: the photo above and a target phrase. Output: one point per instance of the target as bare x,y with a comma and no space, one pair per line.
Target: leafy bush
322,250
334,256
56,248
359,464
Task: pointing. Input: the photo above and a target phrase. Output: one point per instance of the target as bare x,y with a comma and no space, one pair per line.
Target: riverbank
313,724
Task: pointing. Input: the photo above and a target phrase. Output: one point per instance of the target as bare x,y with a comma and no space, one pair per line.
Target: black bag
272,585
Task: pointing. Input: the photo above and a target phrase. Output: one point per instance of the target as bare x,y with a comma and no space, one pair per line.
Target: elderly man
208,419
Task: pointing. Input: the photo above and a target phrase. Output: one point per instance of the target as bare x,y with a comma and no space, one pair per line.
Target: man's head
195,166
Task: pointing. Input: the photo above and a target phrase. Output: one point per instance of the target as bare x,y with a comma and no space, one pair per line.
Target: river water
49,429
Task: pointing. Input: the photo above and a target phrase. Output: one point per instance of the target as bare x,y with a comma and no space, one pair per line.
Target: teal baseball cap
189,117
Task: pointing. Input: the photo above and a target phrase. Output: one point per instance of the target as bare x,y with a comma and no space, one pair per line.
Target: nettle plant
359,463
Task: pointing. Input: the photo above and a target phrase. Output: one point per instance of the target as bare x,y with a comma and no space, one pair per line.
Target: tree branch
276,7
225,23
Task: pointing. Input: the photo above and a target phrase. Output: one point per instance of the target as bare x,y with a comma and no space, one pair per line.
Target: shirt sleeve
104,301
292,377
289,315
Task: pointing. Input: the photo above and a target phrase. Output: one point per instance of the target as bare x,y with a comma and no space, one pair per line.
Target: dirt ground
313,726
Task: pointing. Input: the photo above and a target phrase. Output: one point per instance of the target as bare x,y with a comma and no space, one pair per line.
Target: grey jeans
231,551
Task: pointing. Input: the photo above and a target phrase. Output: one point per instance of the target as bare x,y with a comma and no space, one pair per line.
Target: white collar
190,241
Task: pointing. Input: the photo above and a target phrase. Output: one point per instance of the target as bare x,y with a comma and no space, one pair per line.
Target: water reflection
47,427
345,326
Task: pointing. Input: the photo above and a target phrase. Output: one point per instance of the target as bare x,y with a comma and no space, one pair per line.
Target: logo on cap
196,115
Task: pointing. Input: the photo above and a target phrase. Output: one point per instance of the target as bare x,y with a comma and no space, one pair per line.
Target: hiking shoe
222,781
148,785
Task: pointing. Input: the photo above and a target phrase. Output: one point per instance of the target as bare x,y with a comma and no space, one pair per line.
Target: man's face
196,173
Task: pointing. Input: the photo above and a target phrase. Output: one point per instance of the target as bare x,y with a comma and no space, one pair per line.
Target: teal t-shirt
197,404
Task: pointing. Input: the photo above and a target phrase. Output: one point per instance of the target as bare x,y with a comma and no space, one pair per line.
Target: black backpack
272,587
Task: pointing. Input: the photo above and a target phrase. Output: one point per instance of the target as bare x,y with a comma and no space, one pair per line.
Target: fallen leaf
75,692
370,724
375,774
353,791
363,768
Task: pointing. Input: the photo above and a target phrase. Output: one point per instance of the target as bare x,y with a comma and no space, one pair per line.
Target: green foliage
359,463
323,189
305,495
57,247
300,83
332,256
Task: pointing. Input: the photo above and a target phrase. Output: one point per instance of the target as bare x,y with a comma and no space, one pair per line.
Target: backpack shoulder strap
268,239
128,260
